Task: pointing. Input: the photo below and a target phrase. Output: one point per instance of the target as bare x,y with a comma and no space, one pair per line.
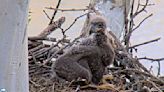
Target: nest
126,75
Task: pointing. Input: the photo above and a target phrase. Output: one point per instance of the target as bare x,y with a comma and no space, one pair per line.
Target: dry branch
142,9
152,59
142,22
41,38
64,10
144,43
46,15
53,16
52,27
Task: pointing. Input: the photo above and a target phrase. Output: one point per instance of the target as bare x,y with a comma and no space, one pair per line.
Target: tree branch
51,21
75,21
147,42
151,59
52,27
63,10
142,22
143,9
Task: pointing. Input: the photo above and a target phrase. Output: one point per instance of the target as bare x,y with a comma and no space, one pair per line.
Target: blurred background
150,29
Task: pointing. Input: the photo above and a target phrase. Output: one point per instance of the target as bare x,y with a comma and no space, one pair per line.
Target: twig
158,60
51,21
147,42
77,88
52,27
41,38
36,48
159,68
152,59
32,82
63,32
63,10
141,66
33,57
75,21
54,45
42,89
138,5
142,9
142,22
46,15
40,52
147,5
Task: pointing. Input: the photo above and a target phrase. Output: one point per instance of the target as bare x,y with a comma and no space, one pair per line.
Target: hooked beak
95,29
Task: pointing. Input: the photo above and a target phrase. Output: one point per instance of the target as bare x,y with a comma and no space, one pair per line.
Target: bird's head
97,24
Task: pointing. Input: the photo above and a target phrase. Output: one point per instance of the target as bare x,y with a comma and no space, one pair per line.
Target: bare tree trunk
115,12
13,46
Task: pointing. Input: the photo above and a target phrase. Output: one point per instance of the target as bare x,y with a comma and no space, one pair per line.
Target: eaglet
89,58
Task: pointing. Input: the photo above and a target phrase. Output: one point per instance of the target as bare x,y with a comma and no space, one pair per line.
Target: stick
55,12
151,59
41,38
142,22
147,42
46,14
63,10
75,21
52,27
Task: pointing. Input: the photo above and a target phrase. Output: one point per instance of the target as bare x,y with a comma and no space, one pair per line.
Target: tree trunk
13,46
115,12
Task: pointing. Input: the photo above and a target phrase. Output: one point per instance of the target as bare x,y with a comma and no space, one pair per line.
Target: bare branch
147,5
63,10
147,42
151,59
142,22
143,9
52,27
53,16
138,5
159,68
75,21
46,15
41,38
36,48
154,60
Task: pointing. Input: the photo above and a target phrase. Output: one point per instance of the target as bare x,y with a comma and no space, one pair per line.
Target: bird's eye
100,25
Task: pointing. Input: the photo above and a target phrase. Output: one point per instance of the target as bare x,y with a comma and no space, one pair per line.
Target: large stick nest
126,75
